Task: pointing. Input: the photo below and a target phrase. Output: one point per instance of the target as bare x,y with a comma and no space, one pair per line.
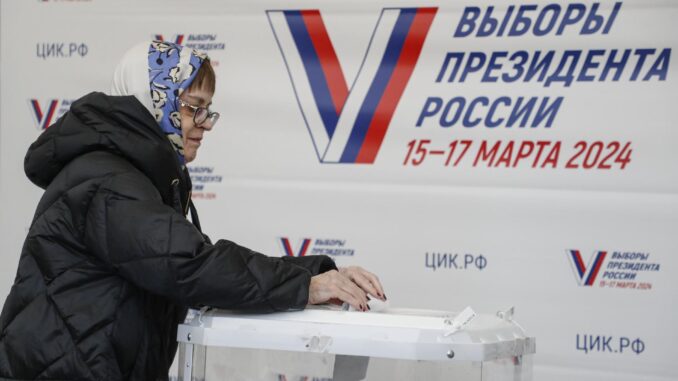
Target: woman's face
192,133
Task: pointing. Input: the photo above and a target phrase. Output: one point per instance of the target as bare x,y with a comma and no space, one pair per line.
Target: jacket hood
117,124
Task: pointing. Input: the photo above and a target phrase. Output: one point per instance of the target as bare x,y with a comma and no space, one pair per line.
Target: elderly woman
111,263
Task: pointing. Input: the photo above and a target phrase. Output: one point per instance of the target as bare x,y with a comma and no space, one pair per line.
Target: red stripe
180,39
50,114
329,62
304,247
599,263
396,85
580,262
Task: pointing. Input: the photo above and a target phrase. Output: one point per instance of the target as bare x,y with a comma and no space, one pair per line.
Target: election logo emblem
46,112
334,247
178,38
616,269
348,125
204,42
289,252
586,273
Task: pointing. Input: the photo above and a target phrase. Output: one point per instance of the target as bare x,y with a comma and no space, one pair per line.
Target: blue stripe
282,241
576,264
316,76
37,114
595,264
376,91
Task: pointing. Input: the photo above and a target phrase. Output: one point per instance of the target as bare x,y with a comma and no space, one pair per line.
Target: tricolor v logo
287,248
586,274
348,126
178,38
44,119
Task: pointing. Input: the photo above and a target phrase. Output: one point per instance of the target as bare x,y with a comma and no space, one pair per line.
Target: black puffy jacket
111,263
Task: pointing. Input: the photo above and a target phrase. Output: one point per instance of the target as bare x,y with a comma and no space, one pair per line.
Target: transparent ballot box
326,344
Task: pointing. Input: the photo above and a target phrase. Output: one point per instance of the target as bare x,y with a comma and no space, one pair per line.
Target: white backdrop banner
483,153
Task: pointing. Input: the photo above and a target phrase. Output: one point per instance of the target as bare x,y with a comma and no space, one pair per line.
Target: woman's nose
206,125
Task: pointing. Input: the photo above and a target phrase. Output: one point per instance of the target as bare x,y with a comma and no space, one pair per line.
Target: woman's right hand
333,285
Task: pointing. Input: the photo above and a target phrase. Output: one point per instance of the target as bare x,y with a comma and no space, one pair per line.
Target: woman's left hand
365,280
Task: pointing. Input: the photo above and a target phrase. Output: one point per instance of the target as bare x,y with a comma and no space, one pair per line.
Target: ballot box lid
393,333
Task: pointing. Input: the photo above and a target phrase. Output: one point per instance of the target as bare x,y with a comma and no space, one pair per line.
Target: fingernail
368,307
385,297
368,297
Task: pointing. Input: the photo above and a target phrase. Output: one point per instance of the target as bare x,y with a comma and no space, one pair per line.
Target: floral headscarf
171,69
156,74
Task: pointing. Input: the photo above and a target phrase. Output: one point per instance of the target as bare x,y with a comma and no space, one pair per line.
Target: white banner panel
483,153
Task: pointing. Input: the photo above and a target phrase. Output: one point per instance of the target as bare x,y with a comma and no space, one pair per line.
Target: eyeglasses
201,115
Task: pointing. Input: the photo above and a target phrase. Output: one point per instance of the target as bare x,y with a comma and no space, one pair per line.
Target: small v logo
586,274
44,119
287,248
178,39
